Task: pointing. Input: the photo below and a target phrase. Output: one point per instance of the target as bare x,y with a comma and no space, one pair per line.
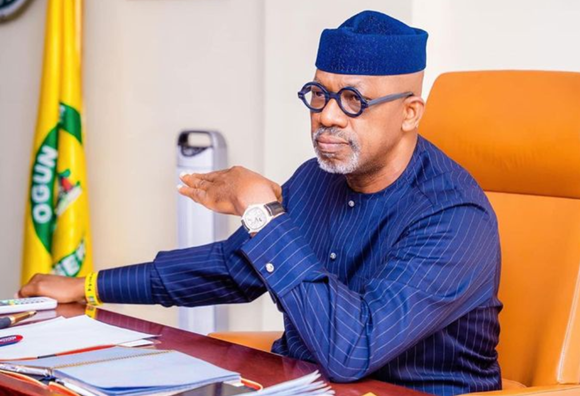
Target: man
384,257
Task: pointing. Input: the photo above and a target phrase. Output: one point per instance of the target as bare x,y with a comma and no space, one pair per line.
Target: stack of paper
123,371
303,386
62,335
118,370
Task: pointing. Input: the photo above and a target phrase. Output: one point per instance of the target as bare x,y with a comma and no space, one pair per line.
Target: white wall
499,34
21,44
153,68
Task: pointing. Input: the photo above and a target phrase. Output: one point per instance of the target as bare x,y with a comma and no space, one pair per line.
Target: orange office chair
518,134
261,340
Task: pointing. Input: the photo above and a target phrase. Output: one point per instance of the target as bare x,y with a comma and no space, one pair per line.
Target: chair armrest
261,340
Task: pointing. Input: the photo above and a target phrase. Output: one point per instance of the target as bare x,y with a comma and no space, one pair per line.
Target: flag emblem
57,235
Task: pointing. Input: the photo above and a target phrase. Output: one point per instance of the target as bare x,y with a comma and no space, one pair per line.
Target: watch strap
275,208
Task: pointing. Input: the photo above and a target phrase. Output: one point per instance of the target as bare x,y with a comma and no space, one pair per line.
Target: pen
75,351
13,319
10,340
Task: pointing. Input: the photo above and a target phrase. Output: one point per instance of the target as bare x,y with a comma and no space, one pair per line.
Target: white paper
138,343
63,335
303,386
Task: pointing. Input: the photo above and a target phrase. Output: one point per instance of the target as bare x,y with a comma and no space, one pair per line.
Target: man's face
360,145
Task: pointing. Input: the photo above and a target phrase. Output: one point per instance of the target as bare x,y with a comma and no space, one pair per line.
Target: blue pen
9,340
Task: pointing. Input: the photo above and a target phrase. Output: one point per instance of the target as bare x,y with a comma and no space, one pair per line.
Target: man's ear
414,108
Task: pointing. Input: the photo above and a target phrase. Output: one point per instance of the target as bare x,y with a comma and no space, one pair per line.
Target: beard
329,162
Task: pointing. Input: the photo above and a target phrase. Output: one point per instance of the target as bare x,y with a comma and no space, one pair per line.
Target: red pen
9,340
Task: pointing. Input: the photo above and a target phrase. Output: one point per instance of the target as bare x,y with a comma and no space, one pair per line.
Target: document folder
126,371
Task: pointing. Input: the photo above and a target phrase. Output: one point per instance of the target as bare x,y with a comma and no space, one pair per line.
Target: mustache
334,131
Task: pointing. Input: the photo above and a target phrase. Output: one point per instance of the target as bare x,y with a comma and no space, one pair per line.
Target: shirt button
332,256
351,203
270,267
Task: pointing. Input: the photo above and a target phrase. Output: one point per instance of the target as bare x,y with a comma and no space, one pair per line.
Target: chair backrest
518,134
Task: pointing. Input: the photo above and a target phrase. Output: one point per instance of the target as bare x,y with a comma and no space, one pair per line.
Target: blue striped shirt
400,285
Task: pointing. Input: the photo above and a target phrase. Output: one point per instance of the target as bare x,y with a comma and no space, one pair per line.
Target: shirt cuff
126,285
281,256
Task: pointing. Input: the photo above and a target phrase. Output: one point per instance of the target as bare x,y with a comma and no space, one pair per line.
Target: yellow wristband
91,311
91,291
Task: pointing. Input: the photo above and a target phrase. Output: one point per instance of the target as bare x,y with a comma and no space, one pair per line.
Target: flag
57,236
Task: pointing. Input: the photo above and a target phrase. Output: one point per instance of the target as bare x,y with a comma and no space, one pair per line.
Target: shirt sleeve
216,273
442,267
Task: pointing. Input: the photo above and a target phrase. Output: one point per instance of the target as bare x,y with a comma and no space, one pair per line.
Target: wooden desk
265,368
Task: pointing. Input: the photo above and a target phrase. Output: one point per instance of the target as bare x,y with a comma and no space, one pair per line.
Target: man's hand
229,191
61,288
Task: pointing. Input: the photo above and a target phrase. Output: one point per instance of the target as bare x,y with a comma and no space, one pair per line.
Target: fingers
191,185
196,194
60,288
25,291
199,180
31,288
192,180
197,185
229,191
278,191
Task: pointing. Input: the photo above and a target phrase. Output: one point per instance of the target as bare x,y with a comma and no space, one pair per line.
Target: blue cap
374,44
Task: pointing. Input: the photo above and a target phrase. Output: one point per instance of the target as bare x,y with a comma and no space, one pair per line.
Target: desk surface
265,368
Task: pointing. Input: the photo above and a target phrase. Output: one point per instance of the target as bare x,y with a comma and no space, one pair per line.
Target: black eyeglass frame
336,96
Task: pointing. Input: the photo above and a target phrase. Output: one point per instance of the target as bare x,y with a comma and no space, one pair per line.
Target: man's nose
332,115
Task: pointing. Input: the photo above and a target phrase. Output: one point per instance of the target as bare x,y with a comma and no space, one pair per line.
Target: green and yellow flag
57,237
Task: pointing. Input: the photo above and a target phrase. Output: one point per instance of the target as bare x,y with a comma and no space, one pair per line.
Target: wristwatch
257,217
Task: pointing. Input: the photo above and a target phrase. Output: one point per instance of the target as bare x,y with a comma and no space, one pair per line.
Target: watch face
255,218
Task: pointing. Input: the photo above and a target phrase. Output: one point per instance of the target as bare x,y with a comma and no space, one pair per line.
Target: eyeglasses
315,96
